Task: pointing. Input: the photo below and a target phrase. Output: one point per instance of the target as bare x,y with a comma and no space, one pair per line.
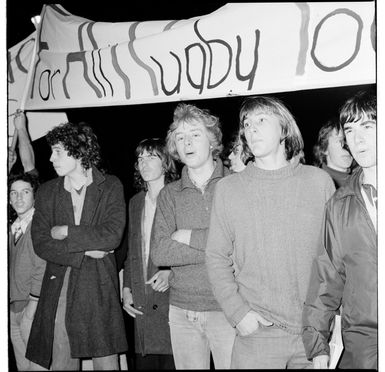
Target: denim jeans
195,333
61,352
20,329
269,348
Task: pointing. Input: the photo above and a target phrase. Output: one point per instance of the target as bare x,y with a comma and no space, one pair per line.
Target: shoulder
110,179
229,183
315,175
137,198
49,186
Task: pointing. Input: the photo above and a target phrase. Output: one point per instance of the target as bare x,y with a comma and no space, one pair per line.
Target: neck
202,174
370,176
154,187
21,216
339,169
78,178
271,162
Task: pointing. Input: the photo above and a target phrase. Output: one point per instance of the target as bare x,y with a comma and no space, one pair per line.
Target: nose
187,140
51,159
358,137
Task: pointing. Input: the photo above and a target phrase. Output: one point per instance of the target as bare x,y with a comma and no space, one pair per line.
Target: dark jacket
94,318
345,273
152,333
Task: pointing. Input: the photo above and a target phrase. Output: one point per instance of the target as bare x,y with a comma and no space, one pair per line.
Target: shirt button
155,307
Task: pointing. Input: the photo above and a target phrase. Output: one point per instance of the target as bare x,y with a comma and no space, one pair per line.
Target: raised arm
164,250
27,155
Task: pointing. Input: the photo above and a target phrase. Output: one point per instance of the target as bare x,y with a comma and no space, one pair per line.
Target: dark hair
234,142
154,146
33,180
363,102
186,113
321,147
79,140
290,131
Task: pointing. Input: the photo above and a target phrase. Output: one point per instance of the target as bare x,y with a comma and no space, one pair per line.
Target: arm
324,294
219,263
47,248
27,155
107,234
164,250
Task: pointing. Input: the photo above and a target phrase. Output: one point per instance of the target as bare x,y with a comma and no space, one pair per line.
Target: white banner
240,49
19,62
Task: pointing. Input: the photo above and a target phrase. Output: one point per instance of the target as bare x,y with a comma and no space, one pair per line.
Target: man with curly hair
78,222
145,286
197,324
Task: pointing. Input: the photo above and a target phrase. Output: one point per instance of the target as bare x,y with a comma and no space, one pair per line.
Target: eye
13,194
246,125
196,134
179,138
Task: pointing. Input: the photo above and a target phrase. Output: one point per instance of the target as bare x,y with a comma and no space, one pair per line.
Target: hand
59,232
96,254
128,303
250,323
182,236
321,362
20,120
159,282
12,157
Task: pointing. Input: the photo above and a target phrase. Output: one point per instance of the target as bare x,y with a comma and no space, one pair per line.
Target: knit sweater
26,271
263,237
181,205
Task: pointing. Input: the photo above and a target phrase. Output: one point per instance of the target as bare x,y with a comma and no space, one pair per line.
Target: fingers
131,310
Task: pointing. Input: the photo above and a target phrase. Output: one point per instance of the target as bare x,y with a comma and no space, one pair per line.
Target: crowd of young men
250,268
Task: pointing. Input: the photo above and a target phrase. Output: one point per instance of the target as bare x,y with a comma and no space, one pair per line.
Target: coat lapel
92,197
65,202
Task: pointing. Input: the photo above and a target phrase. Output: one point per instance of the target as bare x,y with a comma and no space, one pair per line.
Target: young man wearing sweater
26,269
345,273
179,233
265,222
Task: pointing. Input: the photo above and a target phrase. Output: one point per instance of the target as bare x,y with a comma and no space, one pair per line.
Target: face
64,164
263,134
336,156
192,144
21,197
236,163
361,138
150,166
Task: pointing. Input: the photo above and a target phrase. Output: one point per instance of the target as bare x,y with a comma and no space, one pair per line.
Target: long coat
94,318
152,333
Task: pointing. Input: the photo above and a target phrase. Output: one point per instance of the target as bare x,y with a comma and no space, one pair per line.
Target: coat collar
352,186
91,201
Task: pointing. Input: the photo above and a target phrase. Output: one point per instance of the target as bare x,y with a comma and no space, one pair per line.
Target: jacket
152,332
94,318
345,273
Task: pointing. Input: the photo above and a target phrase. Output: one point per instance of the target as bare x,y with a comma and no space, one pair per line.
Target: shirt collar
217,173
23,222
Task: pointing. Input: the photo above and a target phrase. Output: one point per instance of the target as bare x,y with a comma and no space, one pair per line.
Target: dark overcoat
94,318
152,333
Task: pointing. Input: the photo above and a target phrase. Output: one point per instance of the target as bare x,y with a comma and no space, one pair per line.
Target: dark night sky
120,128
